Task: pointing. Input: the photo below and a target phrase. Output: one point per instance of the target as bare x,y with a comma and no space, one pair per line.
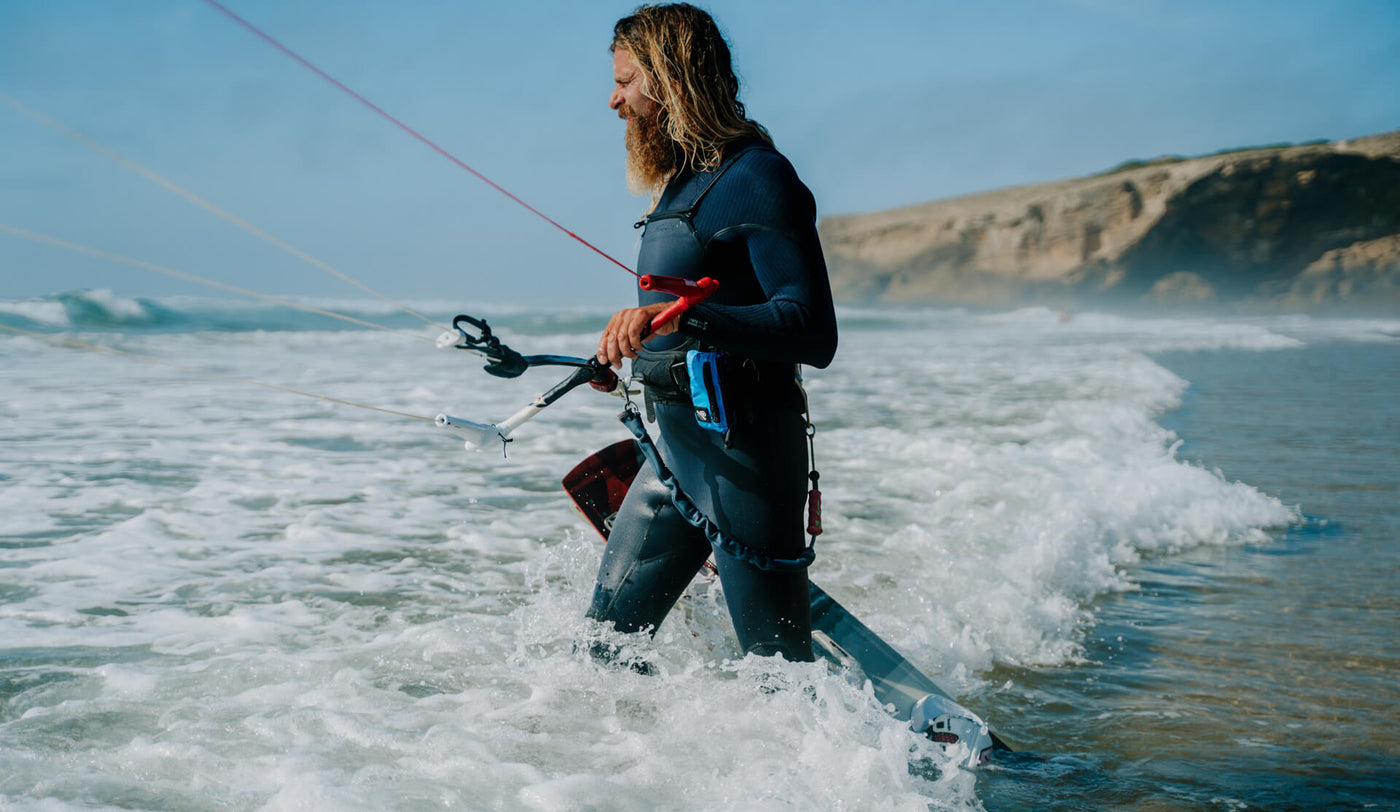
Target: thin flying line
83,249
159,180
381,112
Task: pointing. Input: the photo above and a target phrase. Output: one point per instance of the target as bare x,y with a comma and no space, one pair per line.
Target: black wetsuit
750,224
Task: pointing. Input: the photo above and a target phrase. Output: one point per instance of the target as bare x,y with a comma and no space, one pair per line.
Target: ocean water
1160,555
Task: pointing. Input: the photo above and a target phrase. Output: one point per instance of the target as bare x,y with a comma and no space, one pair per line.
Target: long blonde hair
689,72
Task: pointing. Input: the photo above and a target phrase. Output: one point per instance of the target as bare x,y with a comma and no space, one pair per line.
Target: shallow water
1260,676
1157,554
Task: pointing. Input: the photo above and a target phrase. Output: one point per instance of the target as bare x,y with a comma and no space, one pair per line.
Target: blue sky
878,103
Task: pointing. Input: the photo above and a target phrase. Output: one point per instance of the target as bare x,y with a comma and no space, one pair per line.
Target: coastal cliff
1277,227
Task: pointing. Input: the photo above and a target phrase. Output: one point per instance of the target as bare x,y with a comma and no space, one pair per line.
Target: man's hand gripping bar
504,362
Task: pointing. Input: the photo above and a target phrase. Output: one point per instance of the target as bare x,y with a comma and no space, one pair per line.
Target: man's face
627,97
651,154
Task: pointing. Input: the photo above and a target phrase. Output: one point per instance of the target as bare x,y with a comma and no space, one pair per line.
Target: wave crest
85,309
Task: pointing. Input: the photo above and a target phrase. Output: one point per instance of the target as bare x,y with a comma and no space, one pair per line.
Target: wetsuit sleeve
770,219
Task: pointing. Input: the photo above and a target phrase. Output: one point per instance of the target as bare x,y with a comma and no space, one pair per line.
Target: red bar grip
689,293
677,307
677,286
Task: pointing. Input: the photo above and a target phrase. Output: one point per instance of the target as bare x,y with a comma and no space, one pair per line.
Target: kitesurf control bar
501,361
504,362
589,371
688,294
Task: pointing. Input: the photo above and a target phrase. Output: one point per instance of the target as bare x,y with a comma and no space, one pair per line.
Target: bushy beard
651,154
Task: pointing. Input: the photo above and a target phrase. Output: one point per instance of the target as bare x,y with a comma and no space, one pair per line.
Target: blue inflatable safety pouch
706,394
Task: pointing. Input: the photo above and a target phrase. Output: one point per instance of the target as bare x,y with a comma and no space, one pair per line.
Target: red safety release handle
688,293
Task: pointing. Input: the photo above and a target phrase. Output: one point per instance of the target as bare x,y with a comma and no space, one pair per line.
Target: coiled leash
814,496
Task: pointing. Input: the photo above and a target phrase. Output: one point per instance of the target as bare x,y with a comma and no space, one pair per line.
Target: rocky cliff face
1298,226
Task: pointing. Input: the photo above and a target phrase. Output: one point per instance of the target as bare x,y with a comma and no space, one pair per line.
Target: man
727,205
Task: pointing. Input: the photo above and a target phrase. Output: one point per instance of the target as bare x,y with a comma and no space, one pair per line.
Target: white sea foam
1011,487
38,311
228,596
1355,330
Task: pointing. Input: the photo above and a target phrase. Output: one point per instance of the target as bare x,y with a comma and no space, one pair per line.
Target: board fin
598,484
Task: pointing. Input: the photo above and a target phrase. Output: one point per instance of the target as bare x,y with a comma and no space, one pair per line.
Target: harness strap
688,212
718,539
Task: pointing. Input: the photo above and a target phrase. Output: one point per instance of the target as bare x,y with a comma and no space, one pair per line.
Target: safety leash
814,496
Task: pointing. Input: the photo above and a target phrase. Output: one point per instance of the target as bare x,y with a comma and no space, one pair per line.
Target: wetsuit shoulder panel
758,225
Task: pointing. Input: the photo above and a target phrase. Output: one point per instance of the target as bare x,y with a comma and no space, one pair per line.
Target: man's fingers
608,351
626,332
635,334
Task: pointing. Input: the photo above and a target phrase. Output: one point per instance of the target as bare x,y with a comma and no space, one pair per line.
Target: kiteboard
597,486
